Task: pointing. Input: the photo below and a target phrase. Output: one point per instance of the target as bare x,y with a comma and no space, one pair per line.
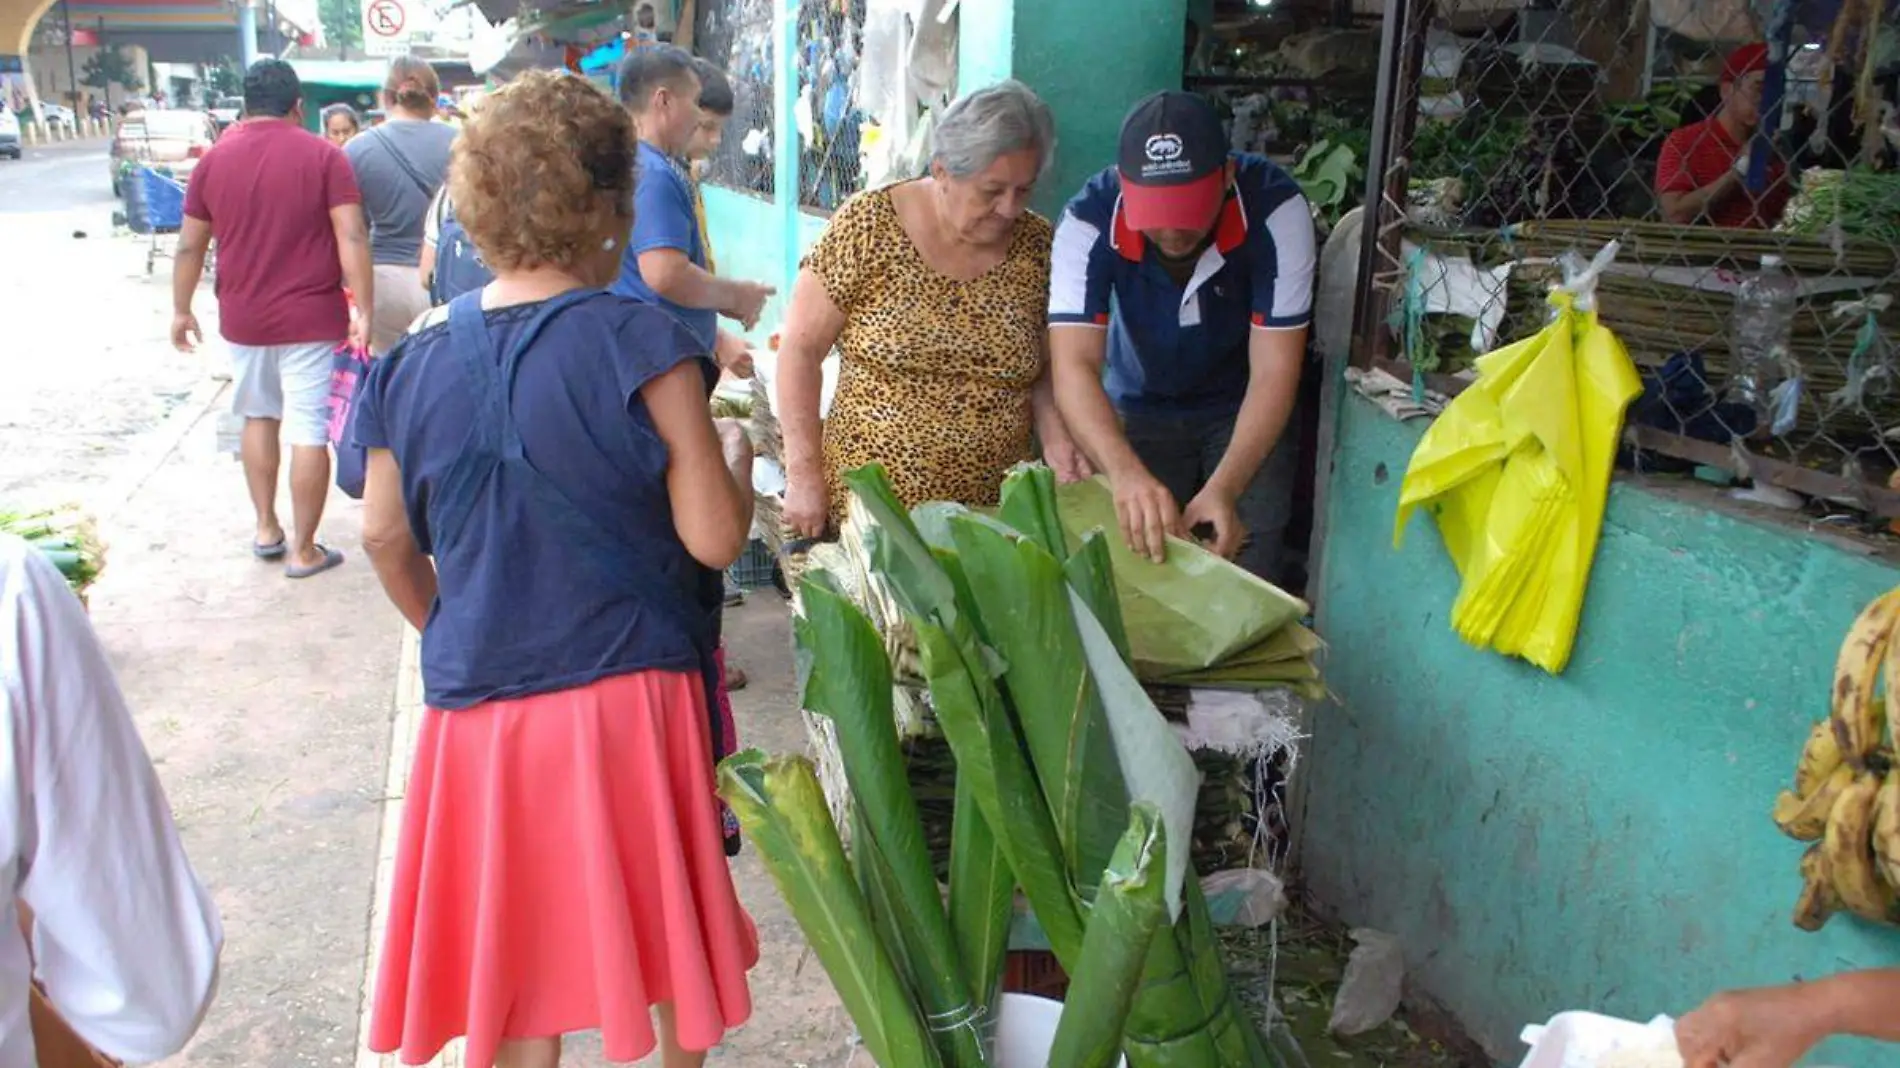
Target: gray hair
981,126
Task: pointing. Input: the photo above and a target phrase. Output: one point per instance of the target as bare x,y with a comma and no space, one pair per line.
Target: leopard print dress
934,373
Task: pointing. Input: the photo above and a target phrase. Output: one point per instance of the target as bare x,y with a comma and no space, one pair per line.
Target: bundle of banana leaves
1069,787
66,536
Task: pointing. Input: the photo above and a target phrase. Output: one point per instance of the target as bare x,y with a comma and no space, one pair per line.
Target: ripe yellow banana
1848,850
1854,709
1804,819
1819,757
1887,828
1818,901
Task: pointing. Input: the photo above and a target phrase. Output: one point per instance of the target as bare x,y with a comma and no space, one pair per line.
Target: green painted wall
1091,61
747,241
1596,841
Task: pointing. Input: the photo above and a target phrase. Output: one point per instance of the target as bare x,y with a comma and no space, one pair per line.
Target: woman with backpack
400,166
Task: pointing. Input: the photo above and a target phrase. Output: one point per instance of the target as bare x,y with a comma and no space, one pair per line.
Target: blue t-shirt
1177,349
513,617
663,218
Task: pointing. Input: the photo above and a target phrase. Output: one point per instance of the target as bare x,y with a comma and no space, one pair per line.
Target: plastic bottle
1759,331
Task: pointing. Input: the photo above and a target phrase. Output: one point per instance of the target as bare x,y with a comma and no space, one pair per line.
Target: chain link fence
738,35
1535,133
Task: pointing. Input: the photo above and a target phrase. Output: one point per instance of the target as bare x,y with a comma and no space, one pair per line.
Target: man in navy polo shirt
1180,293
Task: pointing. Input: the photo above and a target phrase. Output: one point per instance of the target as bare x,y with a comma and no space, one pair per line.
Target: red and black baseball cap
1173,162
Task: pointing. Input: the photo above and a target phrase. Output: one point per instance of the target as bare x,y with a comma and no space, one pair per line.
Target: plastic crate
754,567
1036,972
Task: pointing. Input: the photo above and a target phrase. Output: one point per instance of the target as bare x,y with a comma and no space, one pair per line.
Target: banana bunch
1846,796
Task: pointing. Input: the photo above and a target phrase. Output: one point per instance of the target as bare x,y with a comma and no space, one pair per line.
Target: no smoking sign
384,18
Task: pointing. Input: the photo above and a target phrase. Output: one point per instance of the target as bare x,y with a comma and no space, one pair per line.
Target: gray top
399,166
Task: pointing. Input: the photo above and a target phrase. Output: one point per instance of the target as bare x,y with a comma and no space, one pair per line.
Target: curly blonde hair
541,170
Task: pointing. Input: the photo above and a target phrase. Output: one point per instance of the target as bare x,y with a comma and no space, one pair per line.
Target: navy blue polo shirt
1178,349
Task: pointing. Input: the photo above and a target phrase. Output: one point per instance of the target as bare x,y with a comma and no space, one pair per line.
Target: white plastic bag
1375,977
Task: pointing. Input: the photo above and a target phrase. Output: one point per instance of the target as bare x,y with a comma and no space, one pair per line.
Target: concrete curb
403,725
152,450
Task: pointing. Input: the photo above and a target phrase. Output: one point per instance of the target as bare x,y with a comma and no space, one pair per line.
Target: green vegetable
1122,925
780,805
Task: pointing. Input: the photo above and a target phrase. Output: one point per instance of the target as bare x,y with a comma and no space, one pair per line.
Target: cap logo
1164,148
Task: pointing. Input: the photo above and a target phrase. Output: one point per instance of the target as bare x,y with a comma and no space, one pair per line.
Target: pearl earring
608,245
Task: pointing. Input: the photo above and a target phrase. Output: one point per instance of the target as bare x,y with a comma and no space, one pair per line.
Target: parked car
9,134
57,115
175,139
226,110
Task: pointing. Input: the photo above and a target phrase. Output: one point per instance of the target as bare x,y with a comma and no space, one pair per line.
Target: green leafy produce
66,538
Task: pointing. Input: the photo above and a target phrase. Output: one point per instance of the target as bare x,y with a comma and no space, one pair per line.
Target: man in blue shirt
666,258
1180,294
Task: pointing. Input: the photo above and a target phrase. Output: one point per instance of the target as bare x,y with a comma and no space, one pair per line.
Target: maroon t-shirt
267,188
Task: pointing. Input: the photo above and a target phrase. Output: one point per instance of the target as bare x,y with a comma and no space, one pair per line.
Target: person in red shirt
284,208
1702,174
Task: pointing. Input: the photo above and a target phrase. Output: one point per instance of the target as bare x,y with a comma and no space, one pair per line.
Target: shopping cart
155,207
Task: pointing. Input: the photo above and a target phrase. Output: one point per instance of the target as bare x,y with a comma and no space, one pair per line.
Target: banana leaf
1022,597
1128,910
782,808
1028,505
982,896
991,765
1091,574
846,677
1191,612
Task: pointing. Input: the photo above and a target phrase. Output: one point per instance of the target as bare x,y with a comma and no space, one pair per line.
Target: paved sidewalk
272,708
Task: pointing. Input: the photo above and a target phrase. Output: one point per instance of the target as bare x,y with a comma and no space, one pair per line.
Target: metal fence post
785,143
1394,117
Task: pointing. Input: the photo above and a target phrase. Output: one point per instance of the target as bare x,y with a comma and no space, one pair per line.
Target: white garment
126,938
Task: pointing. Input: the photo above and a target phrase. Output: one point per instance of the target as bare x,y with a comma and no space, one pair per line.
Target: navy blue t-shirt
513,617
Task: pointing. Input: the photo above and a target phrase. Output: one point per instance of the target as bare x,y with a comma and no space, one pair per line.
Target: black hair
271,89
715,89
646,69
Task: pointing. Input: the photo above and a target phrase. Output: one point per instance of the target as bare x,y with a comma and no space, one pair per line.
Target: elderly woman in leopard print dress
935,292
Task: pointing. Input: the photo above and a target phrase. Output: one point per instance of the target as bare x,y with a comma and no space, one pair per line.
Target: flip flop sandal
331,559
274,551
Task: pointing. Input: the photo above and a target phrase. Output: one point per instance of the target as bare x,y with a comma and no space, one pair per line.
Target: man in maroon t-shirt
283,206
1702,174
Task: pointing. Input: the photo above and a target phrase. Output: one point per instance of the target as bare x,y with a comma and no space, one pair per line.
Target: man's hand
733,355
185,333
807,510
736,448
746,302
1767,1028
359,331
1216,508
1148,514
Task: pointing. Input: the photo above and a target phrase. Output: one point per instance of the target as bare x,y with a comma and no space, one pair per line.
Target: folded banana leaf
1122,925
1187,614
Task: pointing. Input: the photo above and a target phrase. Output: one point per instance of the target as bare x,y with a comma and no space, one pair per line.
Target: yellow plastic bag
1516,473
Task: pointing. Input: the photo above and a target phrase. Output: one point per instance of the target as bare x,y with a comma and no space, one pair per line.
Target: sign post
388,26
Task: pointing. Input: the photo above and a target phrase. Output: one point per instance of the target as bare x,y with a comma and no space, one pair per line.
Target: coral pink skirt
561,869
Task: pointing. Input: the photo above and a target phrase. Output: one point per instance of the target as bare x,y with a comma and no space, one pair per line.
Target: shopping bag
55,1043
348,368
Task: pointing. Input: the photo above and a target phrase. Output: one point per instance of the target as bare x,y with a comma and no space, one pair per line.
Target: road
84,327
271,707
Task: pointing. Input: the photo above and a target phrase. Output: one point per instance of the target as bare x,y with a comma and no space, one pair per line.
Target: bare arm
708,479
1274,358
188,263
352,250
1774,1027
408,576
1059,449
1864,1004
1686,208
668,272
1076,357
1147,511
812,325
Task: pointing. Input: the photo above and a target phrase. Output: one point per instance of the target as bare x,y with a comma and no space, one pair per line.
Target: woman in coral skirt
544,484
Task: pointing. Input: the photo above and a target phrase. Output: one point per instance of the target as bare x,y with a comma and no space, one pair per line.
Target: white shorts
290,383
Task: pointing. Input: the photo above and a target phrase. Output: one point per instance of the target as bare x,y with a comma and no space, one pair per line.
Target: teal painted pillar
1133,48
986,40
247,34
786,148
